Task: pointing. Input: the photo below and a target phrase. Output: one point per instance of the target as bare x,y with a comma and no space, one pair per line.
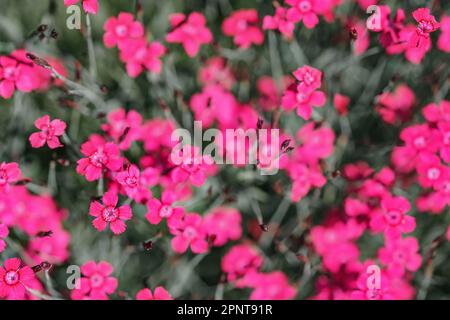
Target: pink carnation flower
223,224
96,283
190,31
9,174
400,255
90,6
241,260
159,294
190,231
270,286
392,218
279,22
216,71
139,55
121,28
304,10
426,25
100,155
108,213
157,210
396,106
136,184
123,127
242,25
341,103
14,279
50,131
444,38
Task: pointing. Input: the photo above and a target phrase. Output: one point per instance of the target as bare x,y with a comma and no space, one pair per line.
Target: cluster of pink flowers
315,143
242,265
425,153
411,39
18,72
370,207
135,50
33,215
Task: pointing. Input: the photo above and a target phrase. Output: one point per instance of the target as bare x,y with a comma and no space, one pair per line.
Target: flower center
433,173
308,78
98,159
305,6
399,256
394,217
425,26
121,30
96,280
109,214
190,233
165,211
11,277
131,181
3,177
302,97
419,142
242,25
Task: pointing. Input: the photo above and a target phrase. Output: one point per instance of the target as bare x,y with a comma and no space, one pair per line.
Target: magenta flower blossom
4,232
139,55
240,260
120,28
400,255
136,184
9,174
100,155
159,294
123,127
392,218
341,103
279,22
243,26
190,31
50,131
444,38
304,10
426,25
16,72
14,279
223,225
90,6
215,71
191,232
96,283
430,171
194,166
269,286
108,212
157,210
303,95
396,106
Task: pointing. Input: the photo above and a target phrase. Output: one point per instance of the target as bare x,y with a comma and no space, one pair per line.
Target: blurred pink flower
159,294
190,31
243,26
